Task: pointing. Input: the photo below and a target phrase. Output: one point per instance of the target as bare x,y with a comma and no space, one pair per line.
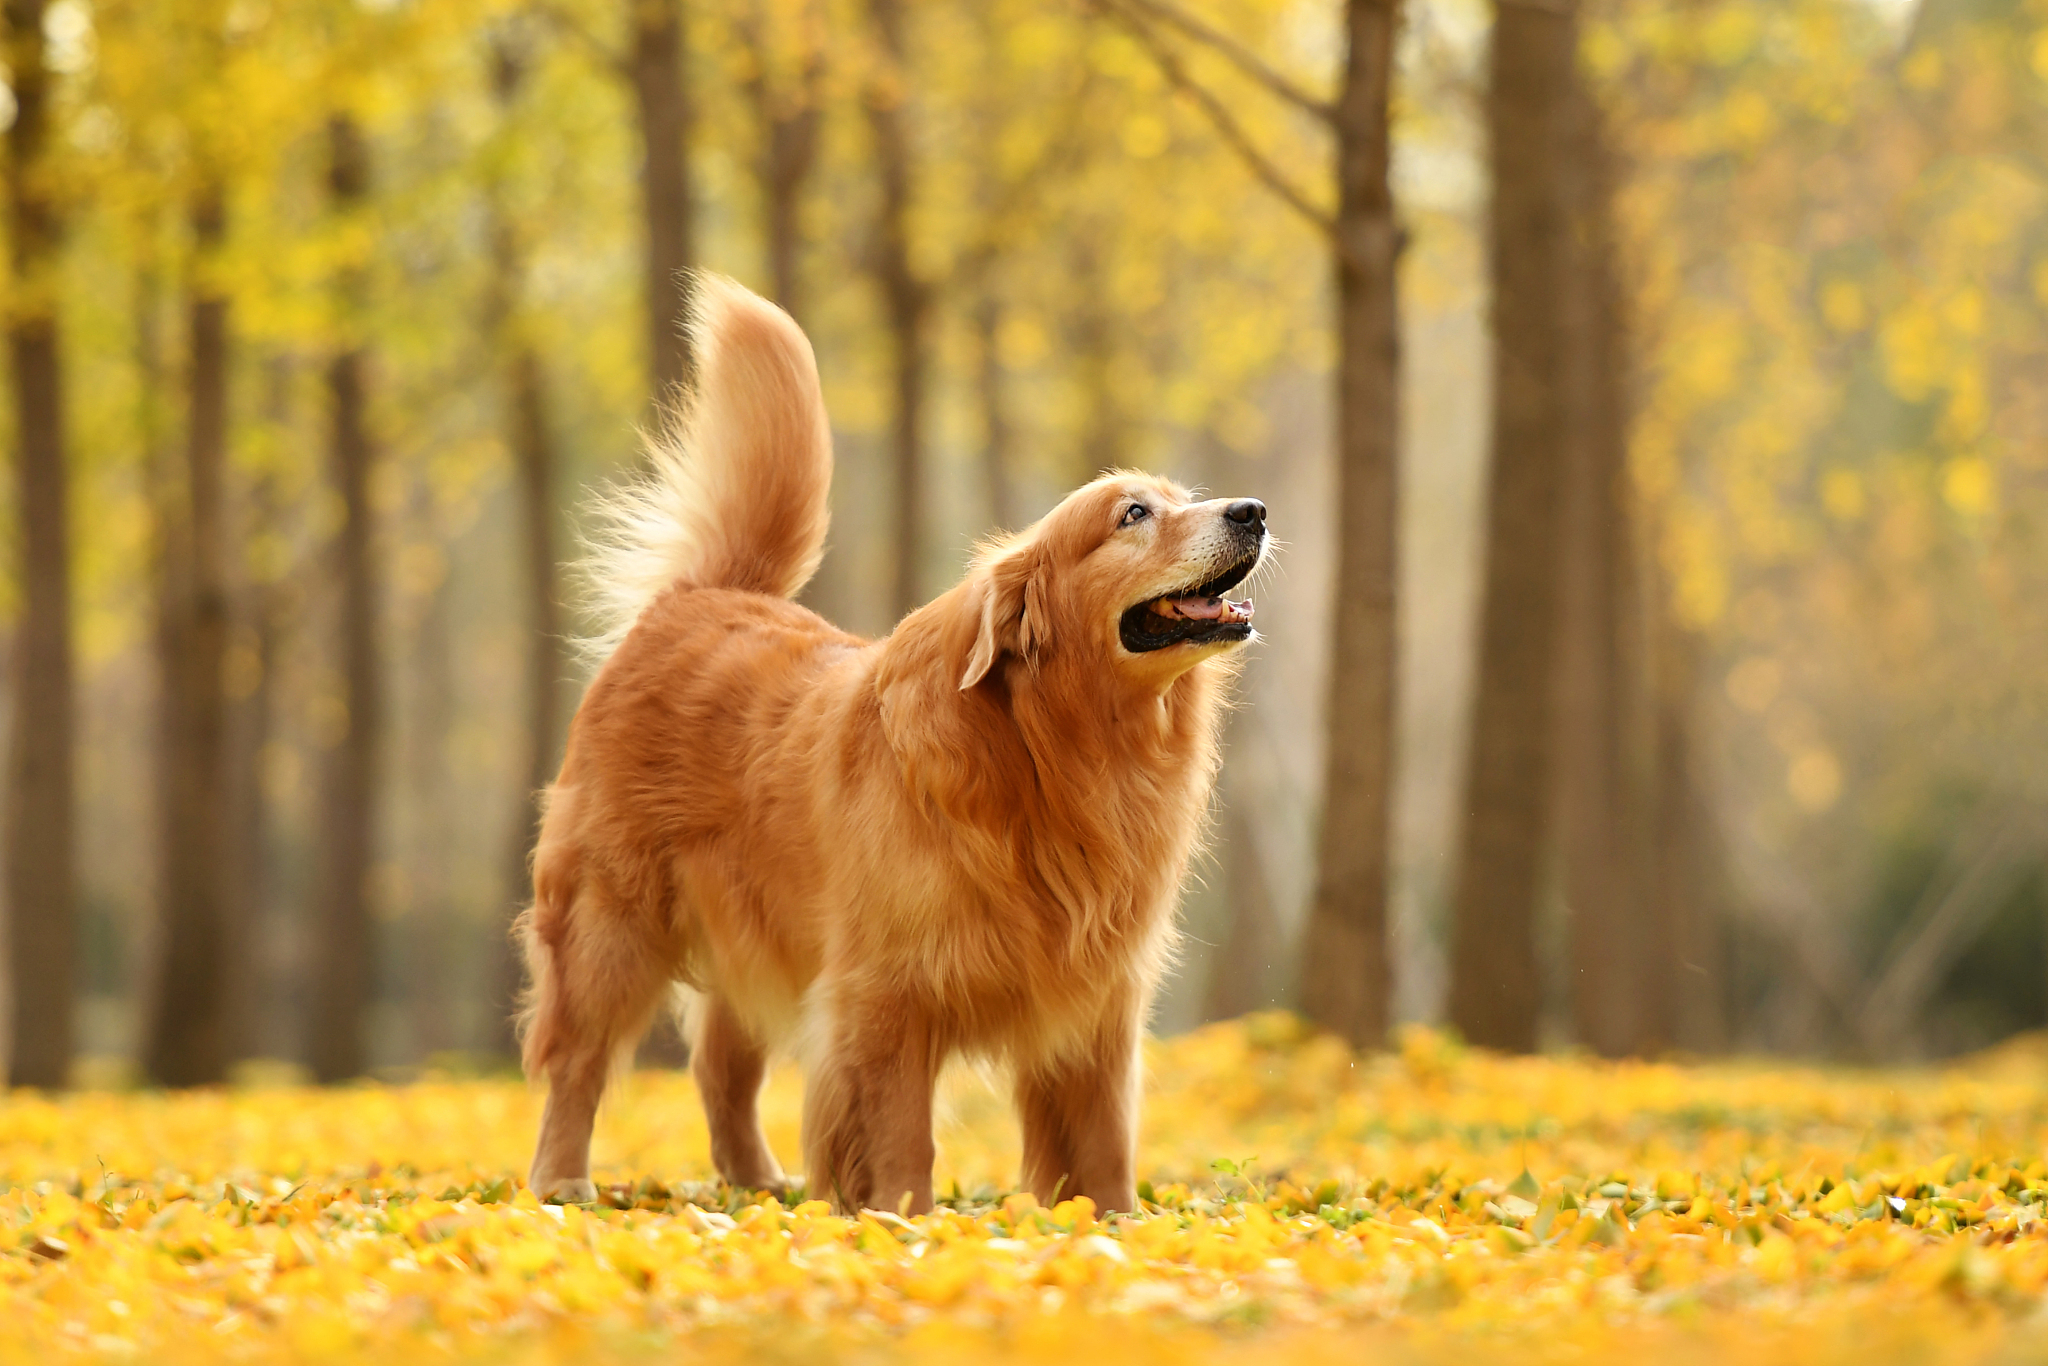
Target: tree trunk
529,435
905,299
661,94
998,433
1496,993
1238,972
431,831
251,683
1093,351
788,122
189,1042
1345,976
341,989
1620,964
1684,890
41,877
533,447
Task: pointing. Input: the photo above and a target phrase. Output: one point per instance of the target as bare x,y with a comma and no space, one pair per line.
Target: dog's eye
1136,512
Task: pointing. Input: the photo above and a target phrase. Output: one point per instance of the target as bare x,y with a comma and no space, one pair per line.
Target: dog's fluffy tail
734,496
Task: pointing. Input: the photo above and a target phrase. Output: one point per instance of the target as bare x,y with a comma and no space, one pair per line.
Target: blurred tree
41,790
1622,939
906,297
1835,238
529,435
785,46
1496,989
1345,970
657,68
652,61
189,1041
337,1042
1685,863
991,393
1237,976
1010,123
432,948
254,663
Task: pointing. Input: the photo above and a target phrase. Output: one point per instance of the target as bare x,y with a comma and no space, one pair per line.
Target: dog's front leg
868,1112
1080,1119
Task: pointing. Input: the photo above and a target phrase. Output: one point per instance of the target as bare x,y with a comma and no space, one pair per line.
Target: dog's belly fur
731,763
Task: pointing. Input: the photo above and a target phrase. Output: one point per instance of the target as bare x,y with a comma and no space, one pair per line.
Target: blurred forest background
1651,397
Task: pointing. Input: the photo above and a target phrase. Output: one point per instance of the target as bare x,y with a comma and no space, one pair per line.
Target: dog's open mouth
1200,615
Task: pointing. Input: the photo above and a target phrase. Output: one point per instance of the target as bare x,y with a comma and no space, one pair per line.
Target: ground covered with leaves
1304,1204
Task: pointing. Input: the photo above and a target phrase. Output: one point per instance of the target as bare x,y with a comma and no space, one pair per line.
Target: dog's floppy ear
1013,614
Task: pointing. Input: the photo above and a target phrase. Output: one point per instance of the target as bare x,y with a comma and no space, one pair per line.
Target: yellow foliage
1430,1202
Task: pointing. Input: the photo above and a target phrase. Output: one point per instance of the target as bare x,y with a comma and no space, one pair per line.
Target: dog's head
1127,574
1026,669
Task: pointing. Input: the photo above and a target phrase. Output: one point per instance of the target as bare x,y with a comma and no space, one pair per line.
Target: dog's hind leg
729,1065
596,983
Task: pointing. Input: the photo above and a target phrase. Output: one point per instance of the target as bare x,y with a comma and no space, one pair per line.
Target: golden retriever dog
966,838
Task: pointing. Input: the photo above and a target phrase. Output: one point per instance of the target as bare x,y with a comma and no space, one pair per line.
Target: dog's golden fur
965,838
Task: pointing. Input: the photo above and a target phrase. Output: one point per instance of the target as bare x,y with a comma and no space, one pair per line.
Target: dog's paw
567,1190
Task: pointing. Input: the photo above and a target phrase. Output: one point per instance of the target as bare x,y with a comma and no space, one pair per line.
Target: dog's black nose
1248,512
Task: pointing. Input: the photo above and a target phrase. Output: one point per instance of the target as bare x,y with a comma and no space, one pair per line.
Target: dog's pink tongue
1204,609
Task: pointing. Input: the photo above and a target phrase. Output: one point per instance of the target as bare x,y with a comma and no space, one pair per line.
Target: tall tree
189,1041
41,877
991,396
1621,936
788,108
1684,860
342,961
1496,992
1346,978
261,599
1238,971
655,67
431,949
906,298
529,435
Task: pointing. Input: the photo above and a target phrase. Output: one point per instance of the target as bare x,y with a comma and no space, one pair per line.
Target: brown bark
1238,973
1684,888
1345,976
533,448
998,433
1093,350
1496,994
906,299
529,435
1620,954
431,831
251,685
41,877
343,941
189,1041
788,120
661,94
